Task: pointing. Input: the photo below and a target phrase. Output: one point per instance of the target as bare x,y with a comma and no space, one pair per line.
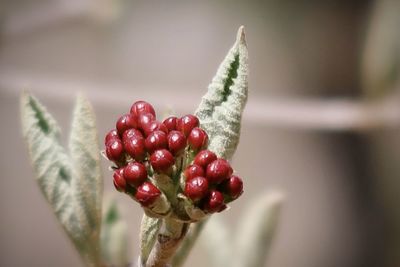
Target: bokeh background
322,122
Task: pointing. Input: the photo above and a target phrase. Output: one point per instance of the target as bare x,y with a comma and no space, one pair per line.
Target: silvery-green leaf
55,175
220,113
85,156
114,237
148,234
256,231
218,242
220,110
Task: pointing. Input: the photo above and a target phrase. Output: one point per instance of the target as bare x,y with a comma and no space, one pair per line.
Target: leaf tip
24,98
276,197
83,107
241,36
32,112
81,98
25,93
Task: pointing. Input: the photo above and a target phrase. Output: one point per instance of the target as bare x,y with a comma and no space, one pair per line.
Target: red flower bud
126,122
144,120
131,133
134,146
204,157
218,170
176,142
187,123
197,139
196,188
140,107
119,180
161,160
147,193
154,126
155,140
114,149
233,186
170,123
193,171
135,174
214,202
113,134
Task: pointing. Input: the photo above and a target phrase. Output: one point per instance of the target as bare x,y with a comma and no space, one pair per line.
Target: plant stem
169,238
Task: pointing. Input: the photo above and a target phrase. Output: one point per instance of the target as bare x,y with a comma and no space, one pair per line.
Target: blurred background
322,122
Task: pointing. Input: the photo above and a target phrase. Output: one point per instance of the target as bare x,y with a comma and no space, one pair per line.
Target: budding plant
177,169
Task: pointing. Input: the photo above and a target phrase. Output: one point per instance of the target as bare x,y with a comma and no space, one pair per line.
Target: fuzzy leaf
148,234
57,178
220,110
220,113
256,231
85,156
217,241
114,237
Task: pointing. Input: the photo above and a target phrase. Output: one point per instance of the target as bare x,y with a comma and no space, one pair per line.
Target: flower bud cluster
209,182
143,148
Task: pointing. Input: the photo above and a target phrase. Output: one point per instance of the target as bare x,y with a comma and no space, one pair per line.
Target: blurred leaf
114,236
381,59
85,155
59,181
218,242
220,110
256,231
148,233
